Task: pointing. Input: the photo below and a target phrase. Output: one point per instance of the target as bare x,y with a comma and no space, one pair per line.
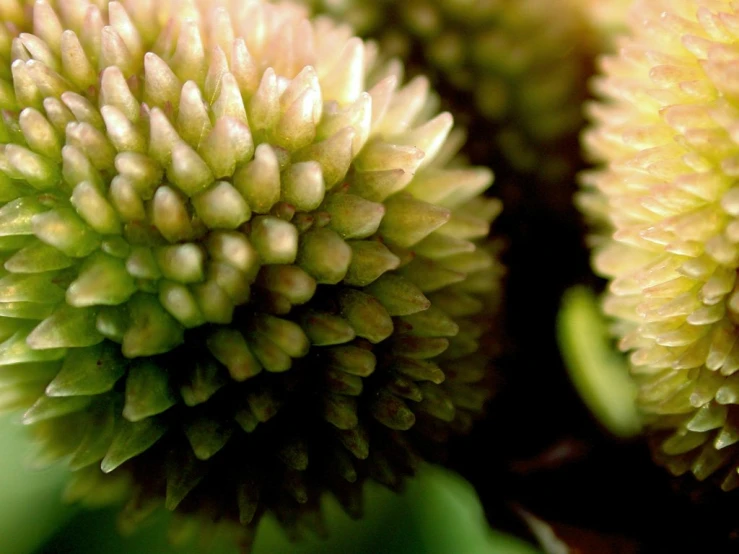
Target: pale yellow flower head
666,132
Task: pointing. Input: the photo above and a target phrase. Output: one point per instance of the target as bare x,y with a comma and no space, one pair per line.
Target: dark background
539,448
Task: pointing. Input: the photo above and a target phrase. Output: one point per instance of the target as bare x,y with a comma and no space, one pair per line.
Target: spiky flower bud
666,130
238,271
512,71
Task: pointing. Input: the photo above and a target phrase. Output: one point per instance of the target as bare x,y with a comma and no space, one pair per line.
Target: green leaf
599,373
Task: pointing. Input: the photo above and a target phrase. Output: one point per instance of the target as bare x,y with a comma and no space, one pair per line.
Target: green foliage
439,513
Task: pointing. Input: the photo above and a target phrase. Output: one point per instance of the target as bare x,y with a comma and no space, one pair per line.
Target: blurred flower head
513,71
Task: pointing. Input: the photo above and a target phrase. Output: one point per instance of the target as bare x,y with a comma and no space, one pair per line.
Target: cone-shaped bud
341,411
102,280
142,264
263,108
419,370
229,144
430,276
115,92
161,85
15,350
193,120
38,171
370,260
288,336
182,477
152,329
187,171
366,315
221,206
66,232
352,360
430,136
431,323
148,392
169,212
66,327
231,280
324,329
276,240
408,221
32,288
47,408
39,134
121,131
234,249
16,217
392,412
97,439
180,302
303,187
207,435
398,295
131,439
271,356
215,303
76,168
352,216
259,180
204,379
37,258
183,262
324,255
296,127
230,348
93,207
342,383
437,404
334,155
289,281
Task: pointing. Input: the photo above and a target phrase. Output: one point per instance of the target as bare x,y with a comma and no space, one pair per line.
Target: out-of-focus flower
239,270
512,71
607,18
666,130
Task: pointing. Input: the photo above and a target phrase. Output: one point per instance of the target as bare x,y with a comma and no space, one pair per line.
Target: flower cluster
666,132
239,265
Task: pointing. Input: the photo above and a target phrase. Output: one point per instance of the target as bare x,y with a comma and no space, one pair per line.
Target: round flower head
512,71
667,132
238,268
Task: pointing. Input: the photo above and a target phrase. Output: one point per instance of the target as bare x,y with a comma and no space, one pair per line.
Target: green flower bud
220,255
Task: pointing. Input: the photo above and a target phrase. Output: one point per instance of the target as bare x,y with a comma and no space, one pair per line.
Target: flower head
666,132
238,269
